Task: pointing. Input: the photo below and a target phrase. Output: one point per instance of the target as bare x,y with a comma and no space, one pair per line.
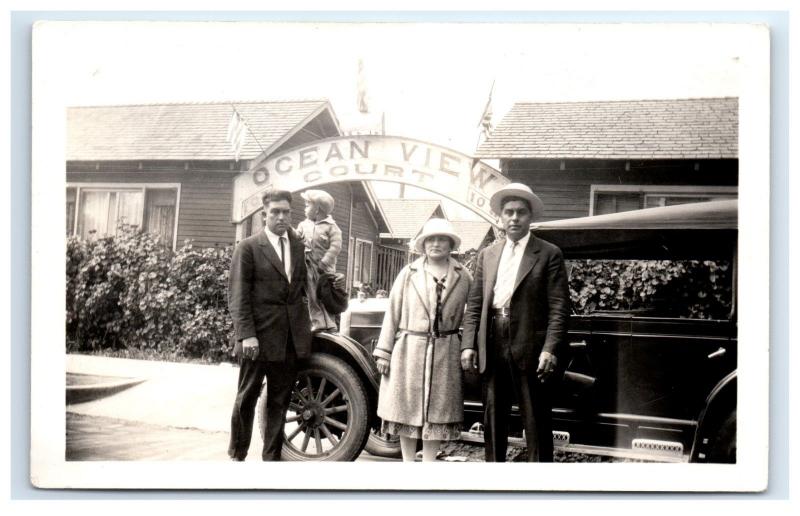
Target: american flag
237,133
486,117
361,83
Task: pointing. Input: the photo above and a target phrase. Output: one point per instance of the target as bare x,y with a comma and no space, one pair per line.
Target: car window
697,289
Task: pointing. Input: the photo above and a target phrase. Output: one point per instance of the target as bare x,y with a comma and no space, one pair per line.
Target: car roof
706,230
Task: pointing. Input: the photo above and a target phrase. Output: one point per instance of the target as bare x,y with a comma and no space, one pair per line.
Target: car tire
723,448
383,445
327,425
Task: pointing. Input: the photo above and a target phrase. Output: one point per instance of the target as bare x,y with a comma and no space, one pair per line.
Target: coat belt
428,334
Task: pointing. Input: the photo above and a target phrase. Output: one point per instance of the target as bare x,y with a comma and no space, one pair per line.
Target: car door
573,407
588,396
669,371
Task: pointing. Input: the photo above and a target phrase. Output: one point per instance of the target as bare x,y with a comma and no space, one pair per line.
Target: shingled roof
407,216
472,233
629,129
195,131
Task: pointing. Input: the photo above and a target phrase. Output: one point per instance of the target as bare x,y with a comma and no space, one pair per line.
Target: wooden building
586,158
475,235
169,169
406,218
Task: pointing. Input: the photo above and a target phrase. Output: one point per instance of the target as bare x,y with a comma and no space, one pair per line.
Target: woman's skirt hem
429,431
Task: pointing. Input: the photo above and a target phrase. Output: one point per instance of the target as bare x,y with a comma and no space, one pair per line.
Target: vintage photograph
294,243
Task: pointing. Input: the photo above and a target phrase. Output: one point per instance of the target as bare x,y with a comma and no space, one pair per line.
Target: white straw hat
436,227
517,190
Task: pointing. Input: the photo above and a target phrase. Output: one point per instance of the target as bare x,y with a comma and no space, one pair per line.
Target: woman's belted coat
412,305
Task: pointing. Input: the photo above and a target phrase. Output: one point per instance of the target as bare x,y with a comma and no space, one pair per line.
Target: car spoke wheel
328,411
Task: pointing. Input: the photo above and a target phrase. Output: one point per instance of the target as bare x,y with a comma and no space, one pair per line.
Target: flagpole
486,119
247,126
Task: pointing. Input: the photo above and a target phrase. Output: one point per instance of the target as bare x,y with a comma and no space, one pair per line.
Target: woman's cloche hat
517,190
436,227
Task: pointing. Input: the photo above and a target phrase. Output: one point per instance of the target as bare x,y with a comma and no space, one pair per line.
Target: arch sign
453,175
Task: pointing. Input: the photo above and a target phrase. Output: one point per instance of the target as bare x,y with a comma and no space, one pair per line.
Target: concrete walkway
180,412
174,394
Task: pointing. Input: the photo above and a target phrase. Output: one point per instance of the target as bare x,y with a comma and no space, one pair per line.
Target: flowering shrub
670,288
685,288
131,295
130,292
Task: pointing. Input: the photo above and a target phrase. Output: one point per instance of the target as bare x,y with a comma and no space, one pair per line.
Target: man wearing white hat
515,325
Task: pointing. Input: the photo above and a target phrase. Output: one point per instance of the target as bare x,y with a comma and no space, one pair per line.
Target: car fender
719,403
351,351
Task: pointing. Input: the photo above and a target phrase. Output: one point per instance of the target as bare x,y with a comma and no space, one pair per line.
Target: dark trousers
280,380
503,382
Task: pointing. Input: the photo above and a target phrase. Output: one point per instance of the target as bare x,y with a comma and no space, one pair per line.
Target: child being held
323,241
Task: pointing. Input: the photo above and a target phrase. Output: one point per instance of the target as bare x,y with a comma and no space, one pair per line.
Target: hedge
130,292
130,295
665,288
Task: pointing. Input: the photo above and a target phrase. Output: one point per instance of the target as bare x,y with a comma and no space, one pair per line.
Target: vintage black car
638,384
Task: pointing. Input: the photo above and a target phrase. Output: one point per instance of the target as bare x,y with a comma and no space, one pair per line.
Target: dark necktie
438,317
283,257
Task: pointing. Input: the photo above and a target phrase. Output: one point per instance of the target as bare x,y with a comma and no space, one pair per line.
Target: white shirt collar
273,237
523,242
276,245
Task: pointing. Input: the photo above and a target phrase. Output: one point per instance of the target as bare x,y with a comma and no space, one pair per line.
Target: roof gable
195,131
701,128
407,216
472,233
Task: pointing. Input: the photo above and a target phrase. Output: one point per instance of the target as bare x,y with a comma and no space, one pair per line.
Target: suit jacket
539,304
263,303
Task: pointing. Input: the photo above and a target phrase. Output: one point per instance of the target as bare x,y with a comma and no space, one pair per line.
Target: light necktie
511,277
507,275
283,258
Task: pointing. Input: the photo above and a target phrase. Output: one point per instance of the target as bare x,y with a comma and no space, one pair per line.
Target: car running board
641,449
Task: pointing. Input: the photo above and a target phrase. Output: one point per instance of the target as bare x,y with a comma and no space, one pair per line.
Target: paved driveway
180,412
103,438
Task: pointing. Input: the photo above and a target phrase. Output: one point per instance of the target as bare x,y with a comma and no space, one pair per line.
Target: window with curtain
70,211
351,262
616,202
357,264
653,201
160,213
366,262
100,210
608,200
362,263
255,223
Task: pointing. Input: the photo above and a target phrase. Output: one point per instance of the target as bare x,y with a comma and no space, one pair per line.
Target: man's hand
469,360
250,348
340,282
383,366
547,364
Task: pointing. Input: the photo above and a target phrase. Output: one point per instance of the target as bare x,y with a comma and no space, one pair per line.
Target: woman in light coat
418,351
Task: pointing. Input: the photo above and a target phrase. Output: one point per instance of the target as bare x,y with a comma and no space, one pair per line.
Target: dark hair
276,195
515,198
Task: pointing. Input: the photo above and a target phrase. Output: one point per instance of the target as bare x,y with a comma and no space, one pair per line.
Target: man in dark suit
515,326
271,324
